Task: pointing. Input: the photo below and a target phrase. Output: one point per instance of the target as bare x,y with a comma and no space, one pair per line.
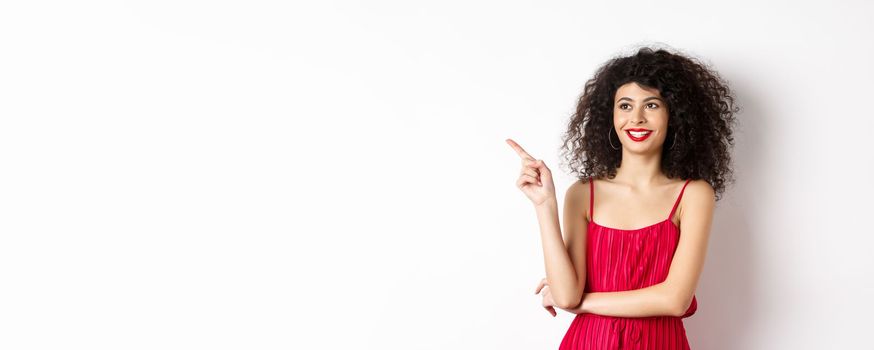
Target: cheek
664,122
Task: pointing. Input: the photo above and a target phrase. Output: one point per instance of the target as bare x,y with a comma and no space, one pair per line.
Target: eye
654,104
623,105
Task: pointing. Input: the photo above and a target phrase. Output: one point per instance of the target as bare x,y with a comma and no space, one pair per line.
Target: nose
637,117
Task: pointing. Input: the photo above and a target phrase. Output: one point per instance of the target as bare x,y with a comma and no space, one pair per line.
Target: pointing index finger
521,152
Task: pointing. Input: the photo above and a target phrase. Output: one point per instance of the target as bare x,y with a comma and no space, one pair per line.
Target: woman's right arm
565,257
575,231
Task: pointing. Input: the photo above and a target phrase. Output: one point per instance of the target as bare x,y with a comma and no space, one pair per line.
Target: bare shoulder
576,196
577,191
697,195
699,191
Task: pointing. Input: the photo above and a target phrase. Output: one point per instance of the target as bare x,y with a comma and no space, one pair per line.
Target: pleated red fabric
617,260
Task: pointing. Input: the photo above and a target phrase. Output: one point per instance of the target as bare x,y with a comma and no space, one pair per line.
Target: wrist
547,205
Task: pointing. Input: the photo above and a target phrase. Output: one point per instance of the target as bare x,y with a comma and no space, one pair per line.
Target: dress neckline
670,216
636,229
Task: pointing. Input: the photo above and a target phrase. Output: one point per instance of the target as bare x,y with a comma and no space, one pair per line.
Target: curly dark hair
700,121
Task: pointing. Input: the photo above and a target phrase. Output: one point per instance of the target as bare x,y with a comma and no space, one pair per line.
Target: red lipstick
639,132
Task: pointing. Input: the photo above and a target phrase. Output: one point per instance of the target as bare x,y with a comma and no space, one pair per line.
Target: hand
548,303
535,179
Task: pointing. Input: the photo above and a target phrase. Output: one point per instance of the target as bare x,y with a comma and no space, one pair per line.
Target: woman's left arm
673,296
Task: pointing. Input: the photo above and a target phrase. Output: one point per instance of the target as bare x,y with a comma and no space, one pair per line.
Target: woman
650,143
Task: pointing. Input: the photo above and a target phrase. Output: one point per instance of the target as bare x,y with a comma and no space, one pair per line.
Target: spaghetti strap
591,199
671,216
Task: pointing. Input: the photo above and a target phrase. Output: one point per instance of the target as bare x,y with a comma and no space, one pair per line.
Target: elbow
567,305
676,310
570,302
675,301
679,306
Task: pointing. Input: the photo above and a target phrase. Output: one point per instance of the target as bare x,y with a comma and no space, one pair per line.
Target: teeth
639,133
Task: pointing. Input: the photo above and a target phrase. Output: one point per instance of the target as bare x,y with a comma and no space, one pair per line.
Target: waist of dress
631,332
642,318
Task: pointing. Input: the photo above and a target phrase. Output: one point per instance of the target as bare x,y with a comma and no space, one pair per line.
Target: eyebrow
644,100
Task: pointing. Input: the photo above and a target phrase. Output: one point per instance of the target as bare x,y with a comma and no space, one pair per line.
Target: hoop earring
609,140
674,142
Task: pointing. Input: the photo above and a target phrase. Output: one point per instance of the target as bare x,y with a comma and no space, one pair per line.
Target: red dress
618,260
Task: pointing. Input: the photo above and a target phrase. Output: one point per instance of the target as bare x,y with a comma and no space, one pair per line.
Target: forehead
634,91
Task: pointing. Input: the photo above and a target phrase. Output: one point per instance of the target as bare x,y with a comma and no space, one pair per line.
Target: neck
640,170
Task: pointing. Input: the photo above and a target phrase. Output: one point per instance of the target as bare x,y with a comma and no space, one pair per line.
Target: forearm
655,300
560,271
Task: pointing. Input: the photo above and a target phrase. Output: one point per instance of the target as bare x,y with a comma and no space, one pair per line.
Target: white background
269,175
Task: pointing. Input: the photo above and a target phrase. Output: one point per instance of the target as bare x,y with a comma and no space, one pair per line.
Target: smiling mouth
638,135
